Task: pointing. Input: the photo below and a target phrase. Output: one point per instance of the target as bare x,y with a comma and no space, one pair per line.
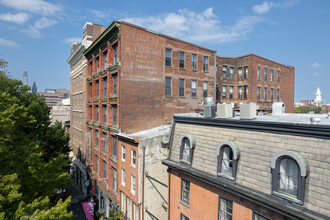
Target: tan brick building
136,80
266,168
252,78
78,137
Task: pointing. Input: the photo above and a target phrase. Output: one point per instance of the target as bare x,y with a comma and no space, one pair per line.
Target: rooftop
150,133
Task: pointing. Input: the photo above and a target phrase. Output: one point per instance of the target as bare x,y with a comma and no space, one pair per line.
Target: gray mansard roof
259,141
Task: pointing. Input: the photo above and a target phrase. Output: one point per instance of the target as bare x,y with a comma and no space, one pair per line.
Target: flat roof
150,133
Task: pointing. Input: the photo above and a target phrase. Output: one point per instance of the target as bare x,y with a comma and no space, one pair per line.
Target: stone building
136,80
78,138
273,167
53,96
251,78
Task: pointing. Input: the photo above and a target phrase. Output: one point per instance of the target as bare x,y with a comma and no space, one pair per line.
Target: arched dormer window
228,155
289,171
186,149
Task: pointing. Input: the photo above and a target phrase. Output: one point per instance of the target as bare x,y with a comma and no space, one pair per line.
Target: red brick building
137,79
252,78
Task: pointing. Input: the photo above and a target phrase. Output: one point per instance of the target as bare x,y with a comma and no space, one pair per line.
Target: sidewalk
76,199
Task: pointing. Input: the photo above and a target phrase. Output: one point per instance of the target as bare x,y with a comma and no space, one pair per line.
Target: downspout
143,171
168,195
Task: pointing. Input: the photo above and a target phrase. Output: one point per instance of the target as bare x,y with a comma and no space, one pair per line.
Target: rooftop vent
224,110
315,120
278,108
209,108
248,110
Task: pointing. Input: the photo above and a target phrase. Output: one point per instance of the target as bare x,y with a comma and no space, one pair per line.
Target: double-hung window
97,64
114,84
97,113
258,93
246,90
224,72
97,164
193,88
246,72
186,149
97,89
204,89
133,158
105,86
265,94
271,75
278,95
194,62
133,185
258,74
168,85
105,142
181,63
225,209
114,180
181,87
91,67
240,72
114,146
105,169
271,94
105,59
168,58
265,74
114,115
123,177
224,92
206,64
239,92
278,76
231,92
255,216
231,73
185,191
104,114
115,53
123,153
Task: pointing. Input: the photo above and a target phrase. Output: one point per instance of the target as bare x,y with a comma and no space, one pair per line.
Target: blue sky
36,34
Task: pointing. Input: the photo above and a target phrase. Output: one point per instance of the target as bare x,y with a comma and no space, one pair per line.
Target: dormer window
228,155
289,172
186,149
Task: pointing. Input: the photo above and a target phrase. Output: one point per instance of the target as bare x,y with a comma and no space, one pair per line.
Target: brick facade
284,84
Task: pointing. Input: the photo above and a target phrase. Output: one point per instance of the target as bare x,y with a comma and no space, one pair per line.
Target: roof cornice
305,130
114,24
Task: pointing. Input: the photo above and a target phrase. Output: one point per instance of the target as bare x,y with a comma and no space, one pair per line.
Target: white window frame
133,184
123,153
123,177
133,158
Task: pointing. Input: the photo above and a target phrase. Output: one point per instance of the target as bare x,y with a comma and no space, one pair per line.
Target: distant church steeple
318,100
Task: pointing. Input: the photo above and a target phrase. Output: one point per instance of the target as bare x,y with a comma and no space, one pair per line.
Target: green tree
33,155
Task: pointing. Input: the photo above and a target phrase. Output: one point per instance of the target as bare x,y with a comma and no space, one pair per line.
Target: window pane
181,87
258,72
231,91
246,73
265,74
194,62
168,86
224,72
224,92
231,71
225,209
240,70
289,172
206,63
227,161
193,88
168,57
185,191
114,85
204,89
181,60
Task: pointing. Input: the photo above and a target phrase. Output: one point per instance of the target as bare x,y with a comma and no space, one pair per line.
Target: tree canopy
33,155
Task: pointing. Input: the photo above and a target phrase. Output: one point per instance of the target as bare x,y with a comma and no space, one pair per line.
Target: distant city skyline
37,34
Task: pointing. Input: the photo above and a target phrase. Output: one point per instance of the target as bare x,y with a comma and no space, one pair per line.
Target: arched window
228,155
289,171
186,148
